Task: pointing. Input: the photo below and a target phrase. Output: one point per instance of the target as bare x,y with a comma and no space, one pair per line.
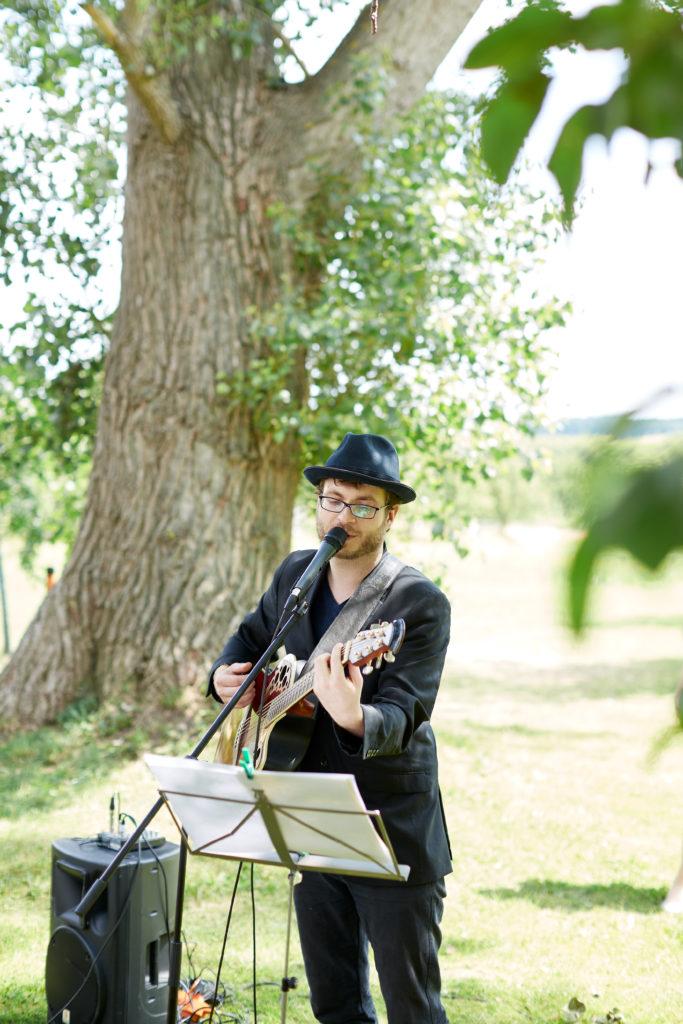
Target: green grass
565,843
565,833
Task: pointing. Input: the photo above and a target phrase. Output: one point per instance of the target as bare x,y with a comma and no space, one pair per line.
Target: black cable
253,938
163,891
225,935
188,954
212,991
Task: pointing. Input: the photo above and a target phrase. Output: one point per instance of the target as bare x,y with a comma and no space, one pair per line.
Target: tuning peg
367,669
390,656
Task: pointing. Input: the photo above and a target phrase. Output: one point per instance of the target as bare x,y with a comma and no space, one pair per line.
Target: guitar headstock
381,642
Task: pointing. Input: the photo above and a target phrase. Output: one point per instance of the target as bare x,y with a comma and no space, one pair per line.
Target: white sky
623,268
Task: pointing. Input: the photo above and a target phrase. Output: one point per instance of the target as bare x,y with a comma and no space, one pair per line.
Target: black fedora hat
366,458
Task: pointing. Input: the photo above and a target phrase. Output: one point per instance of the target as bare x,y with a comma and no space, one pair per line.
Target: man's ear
391,514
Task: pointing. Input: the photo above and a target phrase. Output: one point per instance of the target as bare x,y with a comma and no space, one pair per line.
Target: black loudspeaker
114,969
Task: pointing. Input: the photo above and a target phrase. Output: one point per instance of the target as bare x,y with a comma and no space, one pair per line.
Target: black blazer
395,763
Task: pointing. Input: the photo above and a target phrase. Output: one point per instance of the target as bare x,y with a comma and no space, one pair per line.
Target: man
375,727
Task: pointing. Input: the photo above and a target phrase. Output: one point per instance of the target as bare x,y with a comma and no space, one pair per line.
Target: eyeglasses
359,511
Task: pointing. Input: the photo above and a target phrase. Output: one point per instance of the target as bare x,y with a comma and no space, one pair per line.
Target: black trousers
338,915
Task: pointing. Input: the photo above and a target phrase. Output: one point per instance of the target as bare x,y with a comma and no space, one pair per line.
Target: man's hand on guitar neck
228,678
339,692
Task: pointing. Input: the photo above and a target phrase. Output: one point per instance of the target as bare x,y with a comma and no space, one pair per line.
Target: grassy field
565,833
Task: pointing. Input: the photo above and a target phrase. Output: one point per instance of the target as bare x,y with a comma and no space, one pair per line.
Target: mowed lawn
566,834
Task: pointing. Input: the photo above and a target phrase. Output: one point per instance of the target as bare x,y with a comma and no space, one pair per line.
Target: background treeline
633,428
560,486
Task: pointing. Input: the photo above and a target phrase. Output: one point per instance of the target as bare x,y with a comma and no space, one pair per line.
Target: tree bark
189,505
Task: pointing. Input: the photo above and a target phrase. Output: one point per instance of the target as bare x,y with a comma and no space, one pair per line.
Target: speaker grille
73,980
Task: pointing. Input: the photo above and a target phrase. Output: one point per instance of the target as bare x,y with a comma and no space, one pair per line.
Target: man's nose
345,516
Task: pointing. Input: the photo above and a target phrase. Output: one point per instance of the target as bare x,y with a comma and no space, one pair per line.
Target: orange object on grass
192,1005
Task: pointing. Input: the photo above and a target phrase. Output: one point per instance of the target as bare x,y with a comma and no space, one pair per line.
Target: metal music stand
304,821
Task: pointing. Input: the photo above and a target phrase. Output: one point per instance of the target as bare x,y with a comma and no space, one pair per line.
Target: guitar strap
358,608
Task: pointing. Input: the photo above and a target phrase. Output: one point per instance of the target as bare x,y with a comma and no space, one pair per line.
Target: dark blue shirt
323,611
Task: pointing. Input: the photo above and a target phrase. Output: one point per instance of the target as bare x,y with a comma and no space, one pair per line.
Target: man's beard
361,544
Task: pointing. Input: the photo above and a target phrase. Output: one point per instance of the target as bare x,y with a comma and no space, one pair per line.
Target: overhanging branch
150,87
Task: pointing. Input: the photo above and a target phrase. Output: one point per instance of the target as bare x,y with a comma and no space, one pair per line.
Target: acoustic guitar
276,727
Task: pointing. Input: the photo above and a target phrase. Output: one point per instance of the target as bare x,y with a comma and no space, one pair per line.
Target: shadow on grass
553,895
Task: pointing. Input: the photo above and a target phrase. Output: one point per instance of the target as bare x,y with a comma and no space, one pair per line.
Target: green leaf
649,100
507,121
646,521
567,157
517,44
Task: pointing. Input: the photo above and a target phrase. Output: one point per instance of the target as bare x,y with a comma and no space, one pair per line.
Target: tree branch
151,88
288,47
416,38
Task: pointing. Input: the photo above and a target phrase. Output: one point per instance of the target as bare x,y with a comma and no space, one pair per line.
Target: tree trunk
189,505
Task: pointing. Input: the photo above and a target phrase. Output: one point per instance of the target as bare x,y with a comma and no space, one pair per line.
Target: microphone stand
77,916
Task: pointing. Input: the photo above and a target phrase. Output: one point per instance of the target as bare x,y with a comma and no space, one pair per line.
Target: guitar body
288,740
277,726
280,742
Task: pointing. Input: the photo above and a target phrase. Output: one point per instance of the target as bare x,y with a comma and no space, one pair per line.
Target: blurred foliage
61,127
632,498
626,504
408,311
649,99
639,511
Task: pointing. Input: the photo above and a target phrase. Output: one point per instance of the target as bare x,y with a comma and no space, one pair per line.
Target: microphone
332,543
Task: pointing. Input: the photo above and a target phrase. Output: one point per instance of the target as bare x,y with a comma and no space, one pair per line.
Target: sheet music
321,817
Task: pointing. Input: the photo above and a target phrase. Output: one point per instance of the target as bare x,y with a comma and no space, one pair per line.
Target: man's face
364,536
